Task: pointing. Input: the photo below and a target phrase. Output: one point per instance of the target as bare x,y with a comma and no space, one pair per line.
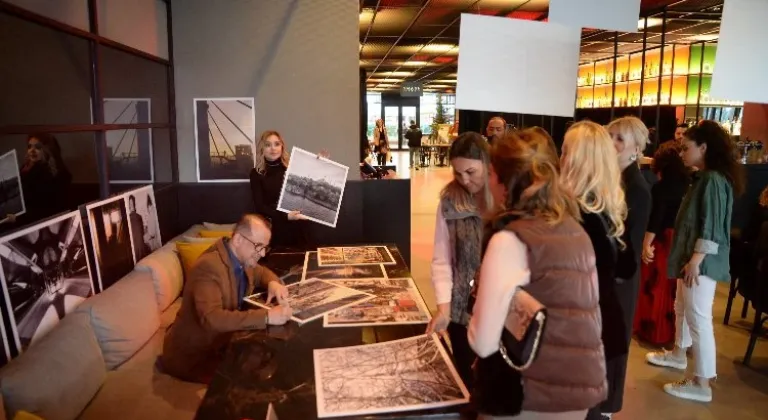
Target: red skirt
655,316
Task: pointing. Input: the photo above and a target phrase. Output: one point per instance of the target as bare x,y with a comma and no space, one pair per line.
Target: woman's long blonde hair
524,163
634,128
590,171
261,161
469,145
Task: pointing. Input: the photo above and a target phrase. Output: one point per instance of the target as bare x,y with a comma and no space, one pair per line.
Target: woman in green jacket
699,255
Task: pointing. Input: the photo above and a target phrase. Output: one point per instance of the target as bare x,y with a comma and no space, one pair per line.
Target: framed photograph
110,235
130,152
225,132
314,186
354,255
11,194
142,222
45,275
313,270
313,298
402,375
397,302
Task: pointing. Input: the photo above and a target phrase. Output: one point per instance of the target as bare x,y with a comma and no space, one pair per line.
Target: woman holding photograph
45,180
536,250
289,230
458,236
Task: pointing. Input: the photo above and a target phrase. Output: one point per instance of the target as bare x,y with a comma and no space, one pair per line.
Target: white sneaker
666,359
688,390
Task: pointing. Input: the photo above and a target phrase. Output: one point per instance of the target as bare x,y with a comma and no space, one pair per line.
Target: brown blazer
209,310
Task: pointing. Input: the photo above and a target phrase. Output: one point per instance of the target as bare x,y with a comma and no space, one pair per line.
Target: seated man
213,301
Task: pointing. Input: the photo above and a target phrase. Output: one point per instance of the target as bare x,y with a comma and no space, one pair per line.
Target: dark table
276,365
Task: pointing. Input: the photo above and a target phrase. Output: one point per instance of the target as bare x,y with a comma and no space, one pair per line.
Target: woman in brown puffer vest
537,245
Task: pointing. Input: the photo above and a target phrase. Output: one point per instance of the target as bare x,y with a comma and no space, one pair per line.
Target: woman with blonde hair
458,242
271,162
380,141
590,171
536,246
630,136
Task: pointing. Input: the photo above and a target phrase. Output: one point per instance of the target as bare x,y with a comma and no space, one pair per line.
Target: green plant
438,119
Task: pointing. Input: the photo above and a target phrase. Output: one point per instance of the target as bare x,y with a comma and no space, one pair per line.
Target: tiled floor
740,393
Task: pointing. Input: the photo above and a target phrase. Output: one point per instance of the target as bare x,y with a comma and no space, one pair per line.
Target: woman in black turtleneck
289,230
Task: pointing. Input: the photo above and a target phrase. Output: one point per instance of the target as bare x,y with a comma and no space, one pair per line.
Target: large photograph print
11,195
108,221
402,375
130,149
225,129
354,255
312,299
45,275
397,301
142,222
313,270
314,186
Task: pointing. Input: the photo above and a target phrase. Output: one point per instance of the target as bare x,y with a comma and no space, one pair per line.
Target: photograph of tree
397,301
225,129
313,298
45,275
314,186
108,221
410,374
400,268
130,149
355,255
11,195
313,270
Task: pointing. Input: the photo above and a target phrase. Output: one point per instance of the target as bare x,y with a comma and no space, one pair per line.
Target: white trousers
693,324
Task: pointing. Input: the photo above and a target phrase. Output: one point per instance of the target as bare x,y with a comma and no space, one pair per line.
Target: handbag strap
540,318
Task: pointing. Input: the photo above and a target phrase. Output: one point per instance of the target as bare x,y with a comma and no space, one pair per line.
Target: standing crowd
605,254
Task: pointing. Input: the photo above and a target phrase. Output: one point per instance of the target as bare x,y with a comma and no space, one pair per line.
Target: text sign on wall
411,89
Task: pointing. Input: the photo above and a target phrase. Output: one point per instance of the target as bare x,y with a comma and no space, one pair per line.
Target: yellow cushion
189,252
24,415
215,234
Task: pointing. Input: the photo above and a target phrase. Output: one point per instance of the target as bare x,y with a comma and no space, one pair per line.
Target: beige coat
208,311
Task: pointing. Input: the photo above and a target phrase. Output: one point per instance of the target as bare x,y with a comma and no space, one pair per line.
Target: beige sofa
99,361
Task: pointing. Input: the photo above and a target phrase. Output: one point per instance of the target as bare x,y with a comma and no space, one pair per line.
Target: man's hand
296,215
279,315
277,291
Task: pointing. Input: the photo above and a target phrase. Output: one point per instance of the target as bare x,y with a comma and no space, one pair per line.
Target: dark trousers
463,355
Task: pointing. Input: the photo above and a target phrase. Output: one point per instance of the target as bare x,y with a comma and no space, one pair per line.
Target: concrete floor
740,393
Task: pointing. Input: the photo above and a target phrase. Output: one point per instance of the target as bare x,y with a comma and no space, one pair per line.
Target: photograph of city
224,138
130,150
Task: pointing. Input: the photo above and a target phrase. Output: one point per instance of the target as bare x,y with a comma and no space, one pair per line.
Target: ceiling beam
370,25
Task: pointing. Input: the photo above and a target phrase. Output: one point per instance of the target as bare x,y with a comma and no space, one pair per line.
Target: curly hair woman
699,257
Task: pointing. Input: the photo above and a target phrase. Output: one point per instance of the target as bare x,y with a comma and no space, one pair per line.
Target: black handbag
523,331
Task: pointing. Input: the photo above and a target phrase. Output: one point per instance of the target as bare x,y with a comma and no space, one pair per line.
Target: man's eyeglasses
257,247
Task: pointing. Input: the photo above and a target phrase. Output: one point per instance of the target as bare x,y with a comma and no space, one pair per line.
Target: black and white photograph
313,270
225,132
130,149
110,235
402,375
314,186
313,298
142,222
397,302
354,255
11,195
45,275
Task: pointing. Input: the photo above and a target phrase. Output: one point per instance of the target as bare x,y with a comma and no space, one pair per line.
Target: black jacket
638,197
414,136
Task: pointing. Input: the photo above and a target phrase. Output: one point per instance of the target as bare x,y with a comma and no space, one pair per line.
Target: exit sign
411,89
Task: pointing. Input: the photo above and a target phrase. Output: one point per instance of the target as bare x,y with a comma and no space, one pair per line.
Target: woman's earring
633,157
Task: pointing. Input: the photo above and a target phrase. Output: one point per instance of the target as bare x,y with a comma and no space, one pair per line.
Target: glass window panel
44,76
140,24
128,80
51,186
71,12
374,111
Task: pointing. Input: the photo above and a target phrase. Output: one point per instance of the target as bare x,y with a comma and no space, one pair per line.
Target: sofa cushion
189,252
138,391
167,275
124,317
215,226
215,234
57,376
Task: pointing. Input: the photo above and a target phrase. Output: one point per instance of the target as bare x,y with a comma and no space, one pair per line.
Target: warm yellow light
385,80
444,81
439,48
440,86
395,73
703,37
651,23
415,63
